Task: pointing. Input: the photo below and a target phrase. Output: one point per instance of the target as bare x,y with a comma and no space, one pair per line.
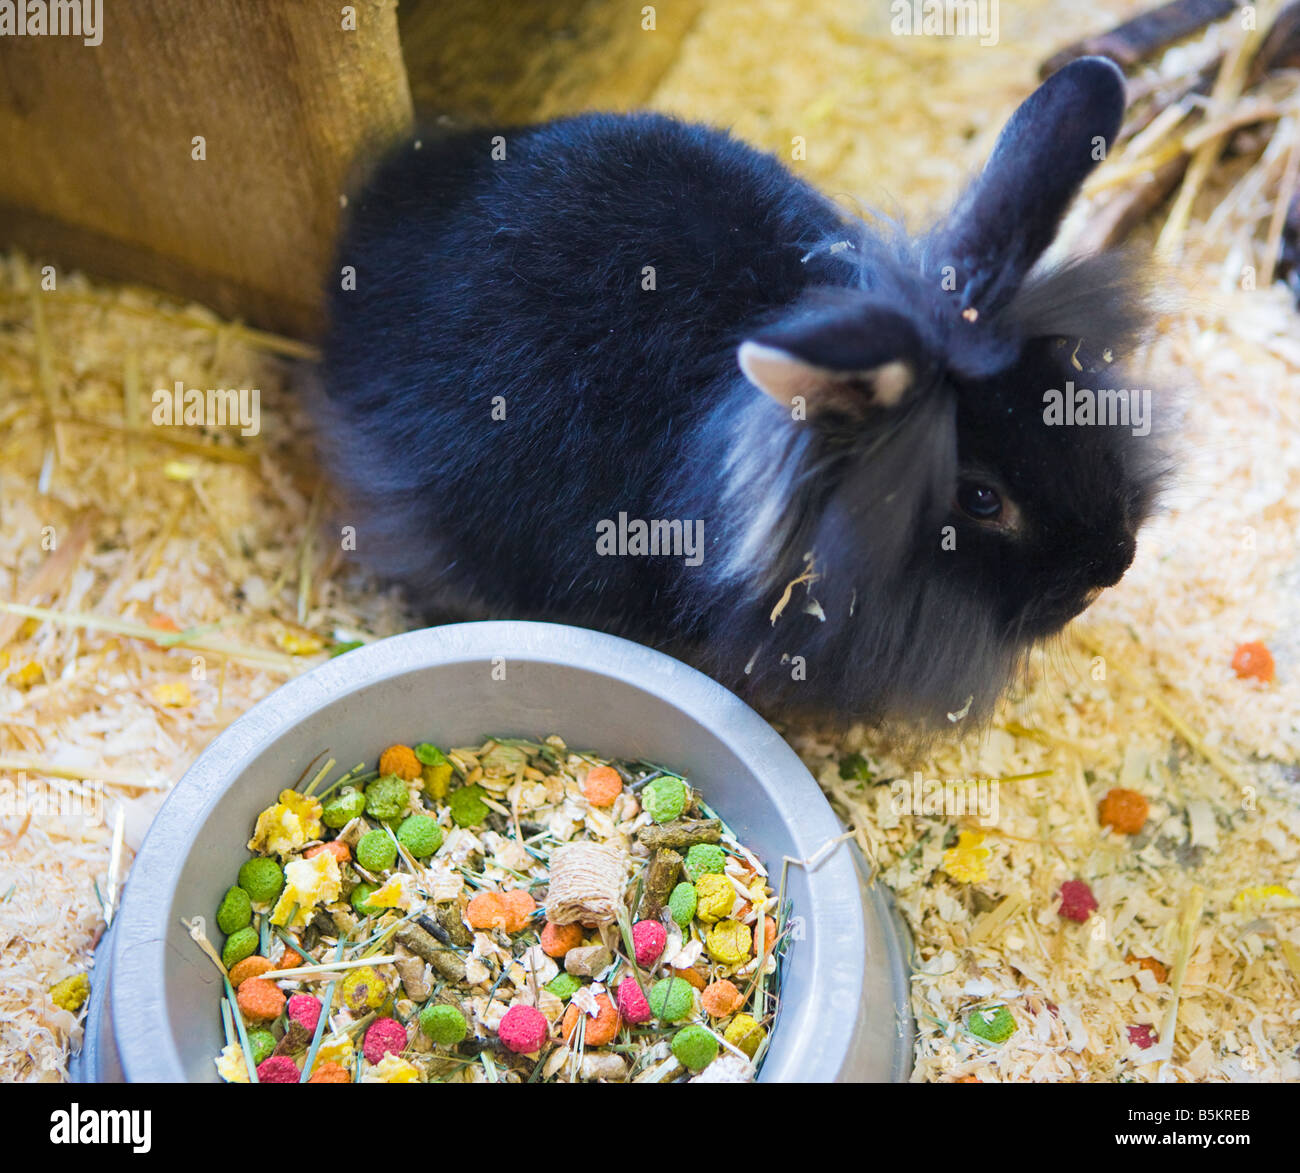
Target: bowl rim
809,1046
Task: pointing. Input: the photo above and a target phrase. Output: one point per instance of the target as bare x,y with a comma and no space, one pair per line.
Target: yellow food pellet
283,828
363,989
181,470
231,1065
307,883
174,694
336,1048
437,780
967,862
392,1069
1266,896
71,993
744,1032
728,942
298,643
715,897
29,674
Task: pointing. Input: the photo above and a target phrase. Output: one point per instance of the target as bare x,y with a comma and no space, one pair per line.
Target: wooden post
202,147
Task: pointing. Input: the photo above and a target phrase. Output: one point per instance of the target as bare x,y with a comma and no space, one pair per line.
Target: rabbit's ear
1010,214
843,362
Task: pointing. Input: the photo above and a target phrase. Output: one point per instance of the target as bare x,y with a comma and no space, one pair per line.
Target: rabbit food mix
515,912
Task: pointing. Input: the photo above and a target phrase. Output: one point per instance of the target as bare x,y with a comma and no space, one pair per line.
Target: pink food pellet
649,940
1142,1036
1077,901
523,1029
631,1002
384,1035
277,1069
304,1010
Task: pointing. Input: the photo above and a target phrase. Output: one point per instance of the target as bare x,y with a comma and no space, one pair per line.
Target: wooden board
100,171
525,60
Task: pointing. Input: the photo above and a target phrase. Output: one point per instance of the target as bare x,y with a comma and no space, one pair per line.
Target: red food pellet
305,1010
632,1004
277,1069
1142,1036
1077,901
523,1029
384,1035
1253,660
649,940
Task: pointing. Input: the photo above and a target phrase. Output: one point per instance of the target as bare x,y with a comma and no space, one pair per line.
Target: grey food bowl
154,1015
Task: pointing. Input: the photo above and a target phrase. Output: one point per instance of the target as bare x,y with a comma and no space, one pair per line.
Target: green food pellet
467,806
235,911
430,755
262,1043
563,985
695,1047
682,904
664,798
239,945
262,879
386,798
671,999
359,895
855,768
444,1024
345,806
994,1024
420,835
705,859
376,851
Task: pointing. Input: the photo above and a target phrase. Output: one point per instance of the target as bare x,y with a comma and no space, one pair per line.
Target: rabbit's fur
674,327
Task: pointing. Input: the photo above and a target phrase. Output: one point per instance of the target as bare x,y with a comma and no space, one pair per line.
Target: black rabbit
629,316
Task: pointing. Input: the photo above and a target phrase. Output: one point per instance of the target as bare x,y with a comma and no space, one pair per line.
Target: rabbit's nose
1109,567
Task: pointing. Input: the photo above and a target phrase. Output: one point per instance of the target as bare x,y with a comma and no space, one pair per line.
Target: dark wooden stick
1137,39
1281,47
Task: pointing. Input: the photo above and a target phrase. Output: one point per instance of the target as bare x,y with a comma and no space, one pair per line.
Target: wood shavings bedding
176,540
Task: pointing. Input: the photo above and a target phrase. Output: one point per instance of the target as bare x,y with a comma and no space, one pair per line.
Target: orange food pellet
400,760
1253,660
162,622
769,935
1151,965
602,785
601,1029
259,999
335,847
692,975
968,1079
721,998
486,910
519,908
330,1072
290,960
1124,810
557,940
250,967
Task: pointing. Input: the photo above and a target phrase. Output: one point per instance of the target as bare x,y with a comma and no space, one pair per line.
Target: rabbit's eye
979,501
